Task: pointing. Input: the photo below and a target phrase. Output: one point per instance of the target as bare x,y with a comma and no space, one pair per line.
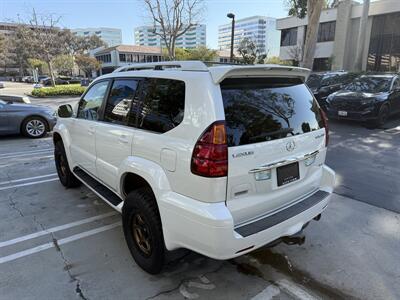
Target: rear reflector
325,125
210,154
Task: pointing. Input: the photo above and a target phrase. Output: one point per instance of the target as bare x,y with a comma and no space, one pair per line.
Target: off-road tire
67,178
141,202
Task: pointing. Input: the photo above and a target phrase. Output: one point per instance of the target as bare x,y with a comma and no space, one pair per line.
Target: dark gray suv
33,121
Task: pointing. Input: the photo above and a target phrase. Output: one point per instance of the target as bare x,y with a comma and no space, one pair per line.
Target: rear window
265,109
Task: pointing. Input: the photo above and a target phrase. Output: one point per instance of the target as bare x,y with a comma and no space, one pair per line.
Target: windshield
370,85
2,102
265,109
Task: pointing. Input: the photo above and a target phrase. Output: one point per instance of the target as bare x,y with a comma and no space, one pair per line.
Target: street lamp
232,16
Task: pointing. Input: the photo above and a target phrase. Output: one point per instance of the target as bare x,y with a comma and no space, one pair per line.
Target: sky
128,14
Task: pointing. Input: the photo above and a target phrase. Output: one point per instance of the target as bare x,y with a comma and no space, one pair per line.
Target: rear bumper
208,228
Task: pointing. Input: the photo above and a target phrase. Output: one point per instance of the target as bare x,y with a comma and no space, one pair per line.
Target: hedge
59,90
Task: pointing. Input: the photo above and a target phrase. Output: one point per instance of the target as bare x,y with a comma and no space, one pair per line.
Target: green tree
250,53
180,54
275,60
202,53
311,8
81,44
47,39
172,19
63,64
41,65
87,64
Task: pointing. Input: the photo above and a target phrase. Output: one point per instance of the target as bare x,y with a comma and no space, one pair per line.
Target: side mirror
65,111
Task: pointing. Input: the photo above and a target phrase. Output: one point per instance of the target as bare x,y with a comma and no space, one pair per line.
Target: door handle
123,139
91,130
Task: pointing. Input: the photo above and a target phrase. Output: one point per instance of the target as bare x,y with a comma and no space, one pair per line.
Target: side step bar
282,215
104,192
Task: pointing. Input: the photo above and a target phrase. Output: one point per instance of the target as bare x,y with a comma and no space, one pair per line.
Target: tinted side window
163,104
119,102
264,109
91,102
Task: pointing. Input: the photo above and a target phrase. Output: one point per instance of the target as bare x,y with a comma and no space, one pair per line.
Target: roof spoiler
219,74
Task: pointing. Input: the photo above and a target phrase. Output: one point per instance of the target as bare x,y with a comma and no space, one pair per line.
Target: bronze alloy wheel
141,234
63,165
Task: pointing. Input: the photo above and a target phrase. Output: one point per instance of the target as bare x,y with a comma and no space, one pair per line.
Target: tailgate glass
264,109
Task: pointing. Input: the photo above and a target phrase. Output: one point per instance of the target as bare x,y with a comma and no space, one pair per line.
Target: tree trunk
50,65
314,8
361,37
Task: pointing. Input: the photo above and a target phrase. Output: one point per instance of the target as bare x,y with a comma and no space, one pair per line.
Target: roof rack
189,65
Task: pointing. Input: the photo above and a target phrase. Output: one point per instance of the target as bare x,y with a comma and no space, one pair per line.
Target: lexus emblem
290,146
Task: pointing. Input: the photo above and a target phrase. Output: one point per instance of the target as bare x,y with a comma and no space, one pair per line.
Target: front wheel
143,231
67,178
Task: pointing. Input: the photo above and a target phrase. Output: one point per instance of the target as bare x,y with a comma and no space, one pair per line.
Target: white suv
220,160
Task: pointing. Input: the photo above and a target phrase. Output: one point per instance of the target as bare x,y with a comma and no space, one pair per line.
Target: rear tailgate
276,144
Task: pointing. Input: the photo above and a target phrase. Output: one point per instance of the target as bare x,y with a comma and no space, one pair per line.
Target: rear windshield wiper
281,133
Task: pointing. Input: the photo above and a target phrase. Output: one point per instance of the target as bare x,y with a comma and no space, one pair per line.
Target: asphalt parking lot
58,243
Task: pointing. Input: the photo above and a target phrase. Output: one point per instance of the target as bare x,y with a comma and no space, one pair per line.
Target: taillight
210,154
325,125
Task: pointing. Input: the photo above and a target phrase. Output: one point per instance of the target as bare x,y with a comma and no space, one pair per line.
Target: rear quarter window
265,109
163,104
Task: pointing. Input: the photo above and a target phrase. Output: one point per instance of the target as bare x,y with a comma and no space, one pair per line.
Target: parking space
58,243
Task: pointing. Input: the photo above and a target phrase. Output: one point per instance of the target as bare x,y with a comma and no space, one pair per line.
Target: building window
122,57
384,47
106,58
322,64
289,37
326,32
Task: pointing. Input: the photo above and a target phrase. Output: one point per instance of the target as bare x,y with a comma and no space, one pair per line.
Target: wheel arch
136,172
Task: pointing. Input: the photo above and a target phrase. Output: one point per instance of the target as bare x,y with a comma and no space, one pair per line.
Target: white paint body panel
199,213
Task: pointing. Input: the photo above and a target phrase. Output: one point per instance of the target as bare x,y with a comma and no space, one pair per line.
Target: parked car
33,121
28,79
15,98
58,81
42,77
369,98
221,160
324,84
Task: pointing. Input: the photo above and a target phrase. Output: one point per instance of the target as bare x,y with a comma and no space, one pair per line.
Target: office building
262,30
193,38
338,35
111,36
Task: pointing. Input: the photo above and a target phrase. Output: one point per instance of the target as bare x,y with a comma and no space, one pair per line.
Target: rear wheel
67,178
34,127
143,231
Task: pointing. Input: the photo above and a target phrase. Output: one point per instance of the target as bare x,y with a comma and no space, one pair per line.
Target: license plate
342,113
287,174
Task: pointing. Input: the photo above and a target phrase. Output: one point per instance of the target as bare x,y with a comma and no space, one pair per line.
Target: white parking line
27,178
49,245
268,293
294,290
55,229
26,154
26,184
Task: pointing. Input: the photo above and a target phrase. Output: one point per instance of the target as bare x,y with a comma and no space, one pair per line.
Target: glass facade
384,48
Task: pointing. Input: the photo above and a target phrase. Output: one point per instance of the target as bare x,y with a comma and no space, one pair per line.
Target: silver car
33,121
